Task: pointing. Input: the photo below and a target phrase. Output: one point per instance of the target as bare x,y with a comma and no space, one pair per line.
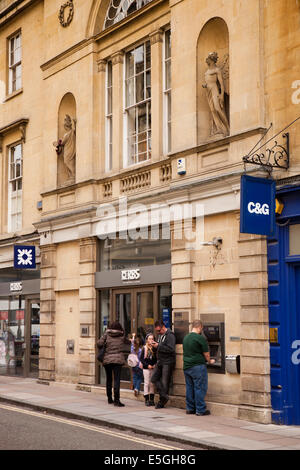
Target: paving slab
213,432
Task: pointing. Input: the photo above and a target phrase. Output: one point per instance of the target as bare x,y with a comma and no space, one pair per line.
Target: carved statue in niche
217,85
67,147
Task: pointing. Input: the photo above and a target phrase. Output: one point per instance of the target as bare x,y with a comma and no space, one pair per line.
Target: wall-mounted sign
130,274
24,257
15,286
84,330
181,170
166,314
257,205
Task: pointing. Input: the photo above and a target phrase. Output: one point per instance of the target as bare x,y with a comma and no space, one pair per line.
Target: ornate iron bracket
277,156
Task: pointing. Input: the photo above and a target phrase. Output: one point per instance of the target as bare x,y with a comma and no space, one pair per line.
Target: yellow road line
88,427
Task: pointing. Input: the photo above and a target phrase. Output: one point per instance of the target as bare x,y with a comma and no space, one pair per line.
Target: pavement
90,403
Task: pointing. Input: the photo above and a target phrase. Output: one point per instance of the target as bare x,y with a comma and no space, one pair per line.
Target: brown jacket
115,346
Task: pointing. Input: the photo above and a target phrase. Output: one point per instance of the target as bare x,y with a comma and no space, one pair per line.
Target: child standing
137,372
148,359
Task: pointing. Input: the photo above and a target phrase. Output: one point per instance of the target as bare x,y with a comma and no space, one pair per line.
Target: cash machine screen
212,333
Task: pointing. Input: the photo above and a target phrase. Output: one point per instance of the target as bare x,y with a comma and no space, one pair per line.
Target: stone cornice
14,7
18,124
150,164
213,144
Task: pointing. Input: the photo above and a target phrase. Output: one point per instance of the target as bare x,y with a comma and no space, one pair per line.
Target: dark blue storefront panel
284,314
257,205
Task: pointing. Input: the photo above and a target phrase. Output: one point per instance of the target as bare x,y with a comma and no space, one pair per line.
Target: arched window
119,9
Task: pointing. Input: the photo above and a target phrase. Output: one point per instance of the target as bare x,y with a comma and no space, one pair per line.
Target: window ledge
13,94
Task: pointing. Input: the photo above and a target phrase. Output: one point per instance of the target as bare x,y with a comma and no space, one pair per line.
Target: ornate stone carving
156,36
67,147
216,85
117,58
101,64
68,6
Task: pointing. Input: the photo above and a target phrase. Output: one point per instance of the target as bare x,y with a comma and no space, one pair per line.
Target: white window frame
167,98
108,117
147,101
15,184
15,62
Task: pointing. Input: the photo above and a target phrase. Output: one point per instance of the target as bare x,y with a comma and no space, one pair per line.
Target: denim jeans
196,388
161,378
137,378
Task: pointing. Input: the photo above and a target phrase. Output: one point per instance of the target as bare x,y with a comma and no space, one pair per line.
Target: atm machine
215,336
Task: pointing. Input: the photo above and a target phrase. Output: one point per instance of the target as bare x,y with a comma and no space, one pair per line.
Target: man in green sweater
195,355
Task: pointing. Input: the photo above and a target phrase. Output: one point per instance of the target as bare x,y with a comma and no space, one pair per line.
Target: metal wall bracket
277,156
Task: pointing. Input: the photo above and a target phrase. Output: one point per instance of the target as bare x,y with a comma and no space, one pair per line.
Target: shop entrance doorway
136,309
19,336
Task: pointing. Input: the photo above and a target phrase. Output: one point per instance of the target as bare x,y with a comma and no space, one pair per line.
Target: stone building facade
111,102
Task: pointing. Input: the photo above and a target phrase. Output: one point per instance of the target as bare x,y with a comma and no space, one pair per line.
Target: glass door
145,311
34,340
122,302
123,313
12,336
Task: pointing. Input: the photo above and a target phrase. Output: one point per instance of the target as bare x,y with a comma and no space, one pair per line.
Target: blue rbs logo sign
24,257
257,205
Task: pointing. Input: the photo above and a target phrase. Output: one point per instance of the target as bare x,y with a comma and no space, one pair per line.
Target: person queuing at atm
195,356
148,360
114,341
166,358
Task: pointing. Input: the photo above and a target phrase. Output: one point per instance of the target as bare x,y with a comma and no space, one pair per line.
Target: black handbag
101,352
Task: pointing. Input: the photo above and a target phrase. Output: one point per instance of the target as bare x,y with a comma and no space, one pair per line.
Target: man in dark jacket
166,358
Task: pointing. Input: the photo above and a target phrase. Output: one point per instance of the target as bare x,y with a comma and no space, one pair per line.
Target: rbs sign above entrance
257,205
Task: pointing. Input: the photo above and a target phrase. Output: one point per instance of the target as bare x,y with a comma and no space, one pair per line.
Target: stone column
87,299
47,313
255,347
156,40
101,67
183,296
117,60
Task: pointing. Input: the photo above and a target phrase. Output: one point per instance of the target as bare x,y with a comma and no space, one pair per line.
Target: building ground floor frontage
19,323
87,279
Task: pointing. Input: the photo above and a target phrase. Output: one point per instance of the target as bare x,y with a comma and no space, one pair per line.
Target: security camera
217,241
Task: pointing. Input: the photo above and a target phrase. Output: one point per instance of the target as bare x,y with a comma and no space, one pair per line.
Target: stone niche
67,107
214,37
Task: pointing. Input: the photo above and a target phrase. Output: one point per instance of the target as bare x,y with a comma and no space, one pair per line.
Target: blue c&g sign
257,205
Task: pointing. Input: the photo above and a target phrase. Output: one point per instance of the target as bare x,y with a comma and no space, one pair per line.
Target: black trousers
161,377
113,370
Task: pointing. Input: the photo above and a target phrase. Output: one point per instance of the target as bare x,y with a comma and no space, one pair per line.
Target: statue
67,147
216,85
